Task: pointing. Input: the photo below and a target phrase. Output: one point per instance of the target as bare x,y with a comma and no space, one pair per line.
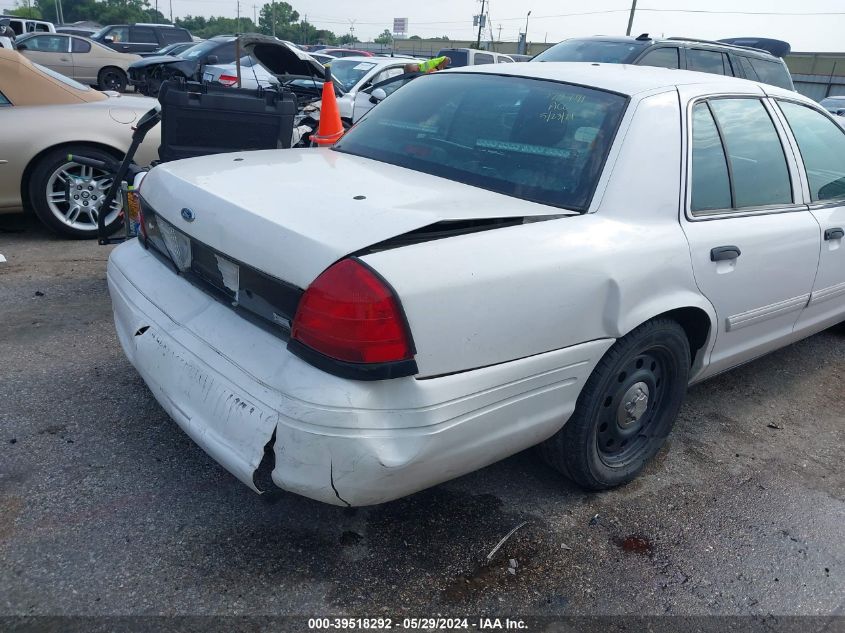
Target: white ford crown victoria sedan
498,257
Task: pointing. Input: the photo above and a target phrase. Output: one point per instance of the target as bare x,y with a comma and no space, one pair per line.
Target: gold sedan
78,58
44,116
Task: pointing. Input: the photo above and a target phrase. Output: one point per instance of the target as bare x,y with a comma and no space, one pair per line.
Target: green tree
346,38
102,11
26,11
415,37
281,15
216,25
384,38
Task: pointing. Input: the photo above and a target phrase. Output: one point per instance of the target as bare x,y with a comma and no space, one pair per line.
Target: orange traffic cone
331,129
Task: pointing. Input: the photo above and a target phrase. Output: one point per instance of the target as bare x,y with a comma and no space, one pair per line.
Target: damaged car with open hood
497,257
295,69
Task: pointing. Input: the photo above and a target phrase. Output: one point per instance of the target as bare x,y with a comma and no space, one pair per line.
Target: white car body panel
507,323
370,442
298,246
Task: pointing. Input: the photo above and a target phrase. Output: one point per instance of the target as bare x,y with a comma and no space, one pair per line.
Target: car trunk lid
292,213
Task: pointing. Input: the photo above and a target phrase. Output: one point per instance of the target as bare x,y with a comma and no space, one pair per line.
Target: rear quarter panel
30,130
499,295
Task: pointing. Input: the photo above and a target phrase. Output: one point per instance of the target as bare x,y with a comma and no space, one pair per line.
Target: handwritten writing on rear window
557,110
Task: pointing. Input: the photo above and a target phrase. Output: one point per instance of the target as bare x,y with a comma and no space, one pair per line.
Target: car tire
626,409
111,78
54,175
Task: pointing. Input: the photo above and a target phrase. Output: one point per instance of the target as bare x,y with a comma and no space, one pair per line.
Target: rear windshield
606,51
458,58
529,138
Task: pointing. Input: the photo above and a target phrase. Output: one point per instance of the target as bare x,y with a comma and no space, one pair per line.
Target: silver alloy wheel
75,194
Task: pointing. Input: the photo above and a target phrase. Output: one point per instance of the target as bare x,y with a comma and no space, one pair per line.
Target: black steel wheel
111,78
626,409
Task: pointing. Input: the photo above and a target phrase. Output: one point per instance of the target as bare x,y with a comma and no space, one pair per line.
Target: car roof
627,79
645,42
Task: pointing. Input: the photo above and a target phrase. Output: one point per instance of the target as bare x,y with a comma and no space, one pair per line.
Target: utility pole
255,14
480,23
156,14
171,12
352,29
631,17
525,52
239,16
274,18
305,30
500,34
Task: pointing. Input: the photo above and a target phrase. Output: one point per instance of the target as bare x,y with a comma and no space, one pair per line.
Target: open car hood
154,60
280,58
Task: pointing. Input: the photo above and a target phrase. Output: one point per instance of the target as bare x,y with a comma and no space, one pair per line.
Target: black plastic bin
199,119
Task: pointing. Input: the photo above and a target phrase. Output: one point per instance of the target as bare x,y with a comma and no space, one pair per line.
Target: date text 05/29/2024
423,624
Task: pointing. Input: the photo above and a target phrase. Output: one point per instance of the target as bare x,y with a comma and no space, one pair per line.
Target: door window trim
791,166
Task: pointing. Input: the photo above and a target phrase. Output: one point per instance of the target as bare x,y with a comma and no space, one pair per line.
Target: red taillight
349,314
227,80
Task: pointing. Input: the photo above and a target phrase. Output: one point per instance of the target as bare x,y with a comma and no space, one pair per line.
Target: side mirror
108,39
212,59
378,95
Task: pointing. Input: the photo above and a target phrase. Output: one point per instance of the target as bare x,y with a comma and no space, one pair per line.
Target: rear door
821,147
661,57
754,245
707,61
86,62
142,39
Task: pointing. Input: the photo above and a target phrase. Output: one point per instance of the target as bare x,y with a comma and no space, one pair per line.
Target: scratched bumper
229,385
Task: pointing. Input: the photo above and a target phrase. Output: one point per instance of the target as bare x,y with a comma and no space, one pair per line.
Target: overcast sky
824,31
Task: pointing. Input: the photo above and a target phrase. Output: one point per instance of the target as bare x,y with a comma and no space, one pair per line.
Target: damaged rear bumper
234,389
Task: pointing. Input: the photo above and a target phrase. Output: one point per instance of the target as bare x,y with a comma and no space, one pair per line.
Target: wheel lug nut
85,204
75,197
90,188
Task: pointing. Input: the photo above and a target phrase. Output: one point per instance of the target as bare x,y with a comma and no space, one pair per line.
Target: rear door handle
834,234
722,253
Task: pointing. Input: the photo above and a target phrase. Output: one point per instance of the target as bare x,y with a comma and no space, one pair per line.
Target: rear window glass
710,186
773,73
144,35
705,61
758,165
80,46
606,51
459,58
529,138
666,57
484,58
170,36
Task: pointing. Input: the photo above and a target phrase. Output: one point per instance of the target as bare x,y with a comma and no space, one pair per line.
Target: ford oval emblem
188,215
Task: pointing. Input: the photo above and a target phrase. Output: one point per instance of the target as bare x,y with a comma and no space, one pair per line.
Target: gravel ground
107,508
